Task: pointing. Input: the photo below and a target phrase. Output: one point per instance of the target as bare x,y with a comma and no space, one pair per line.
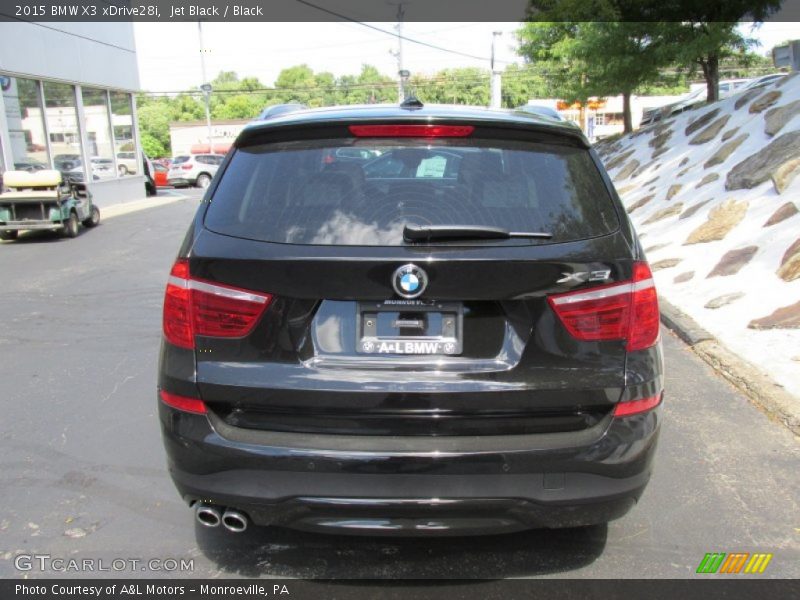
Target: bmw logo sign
409,281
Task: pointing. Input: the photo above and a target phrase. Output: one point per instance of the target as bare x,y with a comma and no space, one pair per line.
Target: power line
395,35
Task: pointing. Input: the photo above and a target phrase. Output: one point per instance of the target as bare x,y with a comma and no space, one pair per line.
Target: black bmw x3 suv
411,320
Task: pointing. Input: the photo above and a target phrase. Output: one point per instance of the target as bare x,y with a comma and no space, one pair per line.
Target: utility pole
496,81
401,92
206,87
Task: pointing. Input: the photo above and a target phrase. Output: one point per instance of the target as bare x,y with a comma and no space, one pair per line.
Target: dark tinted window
300,193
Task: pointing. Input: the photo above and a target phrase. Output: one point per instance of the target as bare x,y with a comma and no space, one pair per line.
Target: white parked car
193,169
127,163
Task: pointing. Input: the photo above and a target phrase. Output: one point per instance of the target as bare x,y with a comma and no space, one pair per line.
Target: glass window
62,123
124,141
100,144
293,193
25,123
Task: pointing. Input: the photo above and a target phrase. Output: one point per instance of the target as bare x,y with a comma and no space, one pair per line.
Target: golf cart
42,200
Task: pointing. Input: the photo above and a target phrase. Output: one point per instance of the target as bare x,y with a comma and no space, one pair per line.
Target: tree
704,33
690,32
585,59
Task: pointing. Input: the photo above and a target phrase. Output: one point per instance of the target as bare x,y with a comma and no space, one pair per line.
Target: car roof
431,113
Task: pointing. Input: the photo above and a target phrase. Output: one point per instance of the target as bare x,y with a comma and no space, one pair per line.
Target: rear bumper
180,181
413,485
20,225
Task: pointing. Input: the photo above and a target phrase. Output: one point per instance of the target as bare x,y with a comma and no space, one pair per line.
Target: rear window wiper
427,233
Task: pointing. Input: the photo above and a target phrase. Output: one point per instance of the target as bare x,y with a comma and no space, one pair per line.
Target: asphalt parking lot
83,472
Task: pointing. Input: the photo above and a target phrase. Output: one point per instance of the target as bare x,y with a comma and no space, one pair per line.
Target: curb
759,388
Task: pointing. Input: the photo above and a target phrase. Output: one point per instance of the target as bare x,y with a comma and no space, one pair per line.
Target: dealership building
68,103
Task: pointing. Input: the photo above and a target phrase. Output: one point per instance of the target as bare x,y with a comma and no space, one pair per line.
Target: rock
732,261
721,155
661,128
701,122
790,263
710,132
674,189
758,167
626,171
684,161
656,247
747,97
787,317
783,213
651,182
660,139
782,176
651,188
776,118
618,160
693,209
624,190
640,203
721,219
659,152
642,168
723,300
667,263
684,172
706,180
664,213
683,277
764,102
729,134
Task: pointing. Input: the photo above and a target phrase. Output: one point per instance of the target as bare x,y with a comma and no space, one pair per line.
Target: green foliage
152,147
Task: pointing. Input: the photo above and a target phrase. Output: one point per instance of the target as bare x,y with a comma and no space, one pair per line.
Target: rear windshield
180,159
364,192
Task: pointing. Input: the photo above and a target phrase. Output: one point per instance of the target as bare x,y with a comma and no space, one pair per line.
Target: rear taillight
619,311
635,407
184,403
198,307
421,131
186,166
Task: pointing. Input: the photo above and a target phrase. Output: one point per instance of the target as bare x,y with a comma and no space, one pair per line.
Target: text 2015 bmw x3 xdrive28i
413,320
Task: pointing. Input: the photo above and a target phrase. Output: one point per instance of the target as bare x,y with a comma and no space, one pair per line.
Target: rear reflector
420,131
184,403
619,311
635,407
198,307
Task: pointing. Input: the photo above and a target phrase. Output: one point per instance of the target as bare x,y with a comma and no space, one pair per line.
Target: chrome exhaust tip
207,515
234,521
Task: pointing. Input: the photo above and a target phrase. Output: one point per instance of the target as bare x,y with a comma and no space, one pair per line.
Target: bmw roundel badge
409,281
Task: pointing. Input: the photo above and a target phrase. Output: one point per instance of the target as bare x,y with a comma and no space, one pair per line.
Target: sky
169,57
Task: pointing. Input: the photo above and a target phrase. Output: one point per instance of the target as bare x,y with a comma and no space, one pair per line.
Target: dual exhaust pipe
211,516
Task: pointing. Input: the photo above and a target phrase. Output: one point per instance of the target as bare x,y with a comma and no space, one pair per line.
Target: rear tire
71,226
203,181
94,218
9,236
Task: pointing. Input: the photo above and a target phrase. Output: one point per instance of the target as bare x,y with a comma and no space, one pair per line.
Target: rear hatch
377,292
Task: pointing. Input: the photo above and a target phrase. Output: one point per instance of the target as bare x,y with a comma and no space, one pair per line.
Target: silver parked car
194,170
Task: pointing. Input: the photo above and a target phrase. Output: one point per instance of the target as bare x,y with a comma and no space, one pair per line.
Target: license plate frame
448,342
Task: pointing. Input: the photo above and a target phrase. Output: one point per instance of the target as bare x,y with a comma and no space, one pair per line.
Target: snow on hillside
724,243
